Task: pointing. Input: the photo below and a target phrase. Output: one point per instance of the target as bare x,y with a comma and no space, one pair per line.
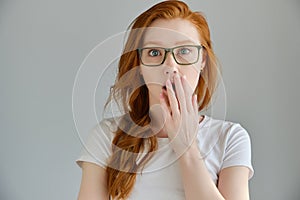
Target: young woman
161,148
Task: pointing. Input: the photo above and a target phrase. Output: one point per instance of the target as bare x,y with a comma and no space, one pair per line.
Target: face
169,34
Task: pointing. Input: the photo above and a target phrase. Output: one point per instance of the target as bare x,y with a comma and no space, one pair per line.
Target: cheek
152,76
192,77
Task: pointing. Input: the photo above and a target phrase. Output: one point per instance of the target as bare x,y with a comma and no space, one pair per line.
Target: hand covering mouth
164,88
165,94
173,86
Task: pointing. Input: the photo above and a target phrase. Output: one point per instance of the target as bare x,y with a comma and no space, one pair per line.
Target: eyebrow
159,43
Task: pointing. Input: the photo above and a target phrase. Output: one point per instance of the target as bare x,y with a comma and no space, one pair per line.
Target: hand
181,116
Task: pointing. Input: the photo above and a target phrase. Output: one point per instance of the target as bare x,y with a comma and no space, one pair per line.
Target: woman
161,148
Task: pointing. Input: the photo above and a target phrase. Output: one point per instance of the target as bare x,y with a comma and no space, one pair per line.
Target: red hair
122,165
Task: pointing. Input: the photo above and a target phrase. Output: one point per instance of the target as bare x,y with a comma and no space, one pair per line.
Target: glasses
156,56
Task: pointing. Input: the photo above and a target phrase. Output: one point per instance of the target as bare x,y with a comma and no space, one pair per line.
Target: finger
195,103
166,99
188,93
180,93
172,100
164,106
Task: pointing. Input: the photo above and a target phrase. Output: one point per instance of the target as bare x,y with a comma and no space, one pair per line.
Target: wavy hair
130,140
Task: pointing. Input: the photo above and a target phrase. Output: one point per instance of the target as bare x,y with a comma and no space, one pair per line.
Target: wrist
192,152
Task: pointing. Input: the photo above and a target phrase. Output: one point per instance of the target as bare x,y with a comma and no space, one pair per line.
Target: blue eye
184,51
154,52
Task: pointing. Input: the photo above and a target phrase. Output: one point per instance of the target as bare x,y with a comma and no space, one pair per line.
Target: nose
170,66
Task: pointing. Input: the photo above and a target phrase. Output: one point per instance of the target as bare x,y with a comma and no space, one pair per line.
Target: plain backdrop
43,44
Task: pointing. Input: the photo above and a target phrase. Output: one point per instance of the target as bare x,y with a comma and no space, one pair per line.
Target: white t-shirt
222,144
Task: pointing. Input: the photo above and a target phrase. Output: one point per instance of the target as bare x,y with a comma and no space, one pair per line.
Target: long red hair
130,140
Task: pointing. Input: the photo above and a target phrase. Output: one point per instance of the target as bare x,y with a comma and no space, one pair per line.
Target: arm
93,182
182,127
196,179
233,181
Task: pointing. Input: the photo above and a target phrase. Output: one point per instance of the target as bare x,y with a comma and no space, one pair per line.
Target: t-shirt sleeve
238,149
96,148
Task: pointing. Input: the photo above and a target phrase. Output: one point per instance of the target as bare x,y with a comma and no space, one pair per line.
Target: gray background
43,43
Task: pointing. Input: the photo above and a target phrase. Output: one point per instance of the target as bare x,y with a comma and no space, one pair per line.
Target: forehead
171,32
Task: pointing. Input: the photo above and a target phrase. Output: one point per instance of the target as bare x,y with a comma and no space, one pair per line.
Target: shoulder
226,143
224,128
96,146
105,128
220,135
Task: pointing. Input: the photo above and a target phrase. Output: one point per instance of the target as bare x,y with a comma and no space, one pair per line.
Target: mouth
165,87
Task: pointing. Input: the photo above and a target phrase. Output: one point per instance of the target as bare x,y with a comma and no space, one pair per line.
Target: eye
154,52
184,51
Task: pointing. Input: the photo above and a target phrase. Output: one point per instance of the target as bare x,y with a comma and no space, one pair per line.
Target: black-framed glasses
183,55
